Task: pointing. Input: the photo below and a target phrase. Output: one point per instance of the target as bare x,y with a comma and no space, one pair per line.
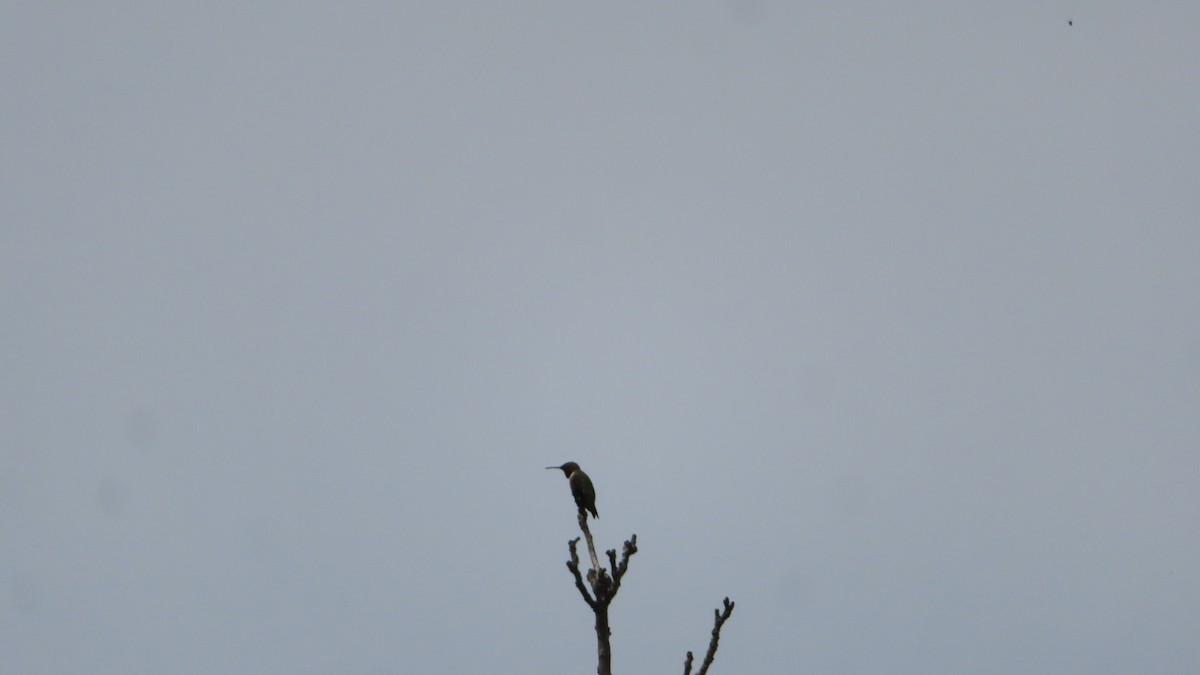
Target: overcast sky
882,320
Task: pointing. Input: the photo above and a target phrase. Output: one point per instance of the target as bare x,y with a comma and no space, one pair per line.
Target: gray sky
881,320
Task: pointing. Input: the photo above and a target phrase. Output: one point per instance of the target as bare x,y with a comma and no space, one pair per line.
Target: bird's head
567,469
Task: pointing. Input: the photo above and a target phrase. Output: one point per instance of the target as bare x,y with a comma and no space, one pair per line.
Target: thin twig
587,533
619,570
573,565
716,635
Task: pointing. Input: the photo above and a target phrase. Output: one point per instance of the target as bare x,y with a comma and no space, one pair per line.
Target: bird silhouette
581,487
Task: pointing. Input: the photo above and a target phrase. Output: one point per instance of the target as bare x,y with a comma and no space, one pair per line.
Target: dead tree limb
721,617
601,587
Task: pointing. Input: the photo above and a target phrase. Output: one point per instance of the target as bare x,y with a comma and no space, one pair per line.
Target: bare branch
721,617
588,535
619,570
687,665
573,565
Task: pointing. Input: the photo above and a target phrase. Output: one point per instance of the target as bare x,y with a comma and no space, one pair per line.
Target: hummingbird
581,487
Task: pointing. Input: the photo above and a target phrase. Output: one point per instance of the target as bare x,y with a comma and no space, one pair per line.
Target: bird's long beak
554,467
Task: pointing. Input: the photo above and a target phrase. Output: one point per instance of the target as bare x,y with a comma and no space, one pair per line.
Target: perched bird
581,487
